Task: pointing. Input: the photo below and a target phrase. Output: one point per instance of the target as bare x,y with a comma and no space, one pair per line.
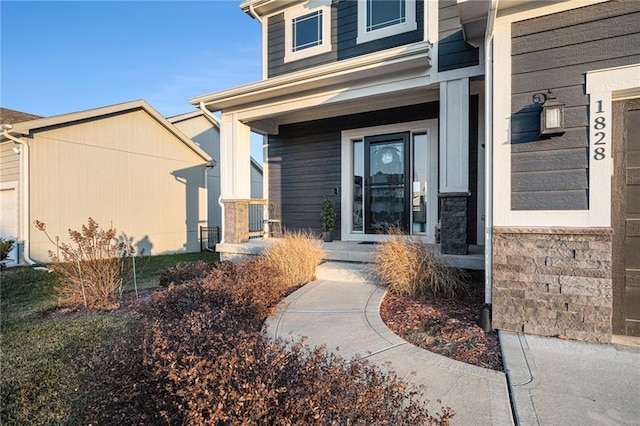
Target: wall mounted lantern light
551,115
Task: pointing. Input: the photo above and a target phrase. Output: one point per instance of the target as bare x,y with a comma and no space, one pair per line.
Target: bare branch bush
92,267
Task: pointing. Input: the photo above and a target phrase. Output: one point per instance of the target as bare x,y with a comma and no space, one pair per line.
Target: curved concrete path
341,310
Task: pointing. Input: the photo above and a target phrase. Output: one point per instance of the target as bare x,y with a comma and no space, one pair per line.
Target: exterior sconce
551,116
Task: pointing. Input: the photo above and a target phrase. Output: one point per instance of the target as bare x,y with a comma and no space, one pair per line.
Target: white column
454,136
235,154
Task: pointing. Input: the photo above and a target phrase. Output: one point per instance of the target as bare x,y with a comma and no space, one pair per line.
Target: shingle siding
555,52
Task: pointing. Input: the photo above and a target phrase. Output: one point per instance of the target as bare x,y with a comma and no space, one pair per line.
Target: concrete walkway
551,381
559,382
340,310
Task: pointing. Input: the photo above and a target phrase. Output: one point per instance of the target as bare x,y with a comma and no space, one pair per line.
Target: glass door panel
419,185
386,189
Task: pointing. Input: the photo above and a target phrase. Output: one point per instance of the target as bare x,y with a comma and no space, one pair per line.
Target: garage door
9,217
626,218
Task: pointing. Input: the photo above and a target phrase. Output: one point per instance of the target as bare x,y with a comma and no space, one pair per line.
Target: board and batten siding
344,32
453,51
554,52
304,162
124,170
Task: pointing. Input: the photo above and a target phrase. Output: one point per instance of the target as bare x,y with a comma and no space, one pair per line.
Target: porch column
454,165
235,178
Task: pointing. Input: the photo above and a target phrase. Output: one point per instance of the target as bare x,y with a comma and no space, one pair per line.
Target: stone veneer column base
553,281
236,221
453,223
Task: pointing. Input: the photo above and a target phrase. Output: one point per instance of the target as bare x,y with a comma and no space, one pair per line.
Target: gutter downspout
24,188
488,227
254,14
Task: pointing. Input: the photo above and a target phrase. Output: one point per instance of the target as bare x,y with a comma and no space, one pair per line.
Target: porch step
345,271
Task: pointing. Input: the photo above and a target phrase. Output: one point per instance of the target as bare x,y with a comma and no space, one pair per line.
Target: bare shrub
92,268
185,272
296,256
415,269
199,358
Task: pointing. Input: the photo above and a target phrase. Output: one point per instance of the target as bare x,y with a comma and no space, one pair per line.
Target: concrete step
345,271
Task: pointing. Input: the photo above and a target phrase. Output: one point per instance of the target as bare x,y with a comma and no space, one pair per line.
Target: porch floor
349,251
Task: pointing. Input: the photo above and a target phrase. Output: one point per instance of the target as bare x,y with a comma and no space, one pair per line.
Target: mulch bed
446,327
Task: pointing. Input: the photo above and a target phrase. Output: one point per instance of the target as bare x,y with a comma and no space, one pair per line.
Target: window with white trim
383,18
307,30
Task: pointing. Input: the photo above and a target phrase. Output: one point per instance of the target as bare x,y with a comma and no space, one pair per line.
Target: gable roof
26,127
11,116
189,115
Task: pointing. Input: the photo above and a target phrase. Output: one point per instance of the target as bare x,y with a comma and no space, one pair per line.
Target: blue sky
60,57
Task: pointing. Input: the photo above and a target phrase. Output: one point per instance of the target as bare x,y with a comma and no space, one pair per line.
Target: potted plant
328,216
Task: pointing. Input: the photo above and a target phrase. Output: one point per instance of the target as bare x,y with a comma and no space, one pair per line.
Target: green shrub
6,245
413,268
91,269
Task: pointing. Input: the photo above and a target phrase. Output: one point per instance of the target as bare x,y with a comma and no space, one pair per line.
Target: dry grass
296,256
414,269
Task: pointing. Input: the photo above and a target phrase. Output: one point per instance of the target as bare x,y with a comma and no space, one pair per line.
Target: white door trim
430,127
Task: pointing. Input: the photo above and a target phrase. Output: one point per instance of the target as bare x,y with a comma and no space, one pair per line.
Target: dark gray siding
304,162
344,32
453,51
554,52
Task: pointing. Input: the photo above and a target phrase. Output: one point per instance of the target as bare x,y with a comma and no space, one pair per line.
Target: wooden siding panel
588,14
581,33
574,158
453,51
555,180
555,52
559,200
585,52
344,29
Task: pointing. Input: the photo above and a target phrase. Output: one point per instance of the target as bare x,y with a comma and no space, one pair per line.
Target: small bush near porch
193,354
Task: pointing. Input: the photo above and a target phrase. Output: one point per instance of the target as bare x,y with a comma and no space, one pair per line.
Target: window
384,18
307,30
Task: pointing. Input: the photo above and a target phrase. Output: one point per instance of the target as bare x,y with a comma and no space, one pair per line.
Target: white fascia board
388,61
413,88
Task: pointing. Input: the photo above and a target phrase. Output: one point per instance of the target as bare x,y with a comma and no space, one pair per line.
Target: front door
626,218
386,190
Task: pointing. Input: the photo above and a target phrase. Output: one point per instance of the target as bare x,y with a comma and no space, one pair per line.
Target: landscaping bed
447,327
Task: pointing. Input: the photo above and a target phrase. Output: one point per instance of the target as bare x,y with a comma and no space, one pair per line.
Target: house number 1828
599,124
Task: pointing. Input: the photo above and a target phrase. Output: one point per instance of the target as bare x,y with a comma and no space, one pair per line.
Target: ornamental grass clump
413,268
92,268
295,256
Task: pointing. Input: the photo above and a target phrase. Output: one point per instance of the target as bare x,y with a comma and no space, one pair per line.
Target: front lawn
44,354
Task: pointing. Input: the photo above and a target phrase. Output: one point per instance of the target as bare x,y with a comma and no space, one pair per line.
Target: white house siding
9,163
125,170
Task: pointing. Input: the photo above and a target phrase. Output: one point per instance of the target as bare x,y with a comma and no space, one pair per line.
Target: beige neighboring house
123,165
204,129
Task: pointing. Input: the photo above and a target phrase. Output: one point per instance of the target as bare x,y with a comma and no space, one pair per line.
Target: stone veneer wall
453,223
553,281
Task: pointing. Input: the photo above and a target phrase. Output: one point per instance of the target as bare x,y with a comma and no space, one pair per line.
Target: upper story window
307,30
384,18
